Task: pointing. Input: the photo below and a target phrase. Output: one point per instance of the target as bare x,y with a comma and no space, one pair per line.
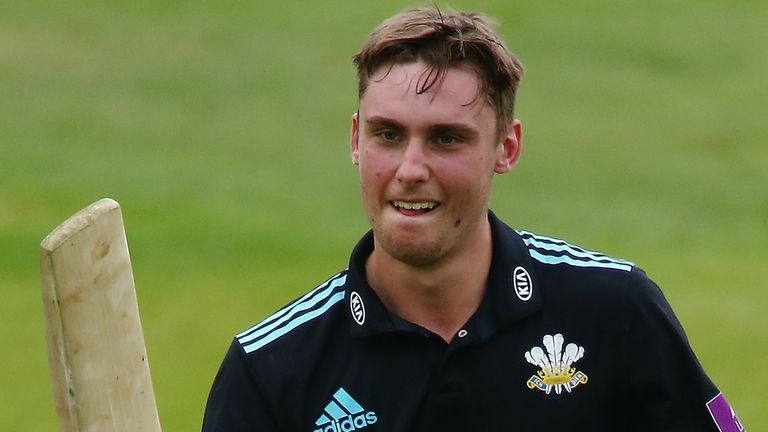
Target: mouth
415,208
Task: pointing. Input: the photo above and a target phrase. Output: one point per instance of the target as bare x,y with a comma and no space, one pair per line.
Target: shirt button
462,333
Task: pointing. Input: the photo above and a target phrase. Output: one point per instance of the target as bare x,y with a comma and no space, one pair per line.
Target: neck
441,296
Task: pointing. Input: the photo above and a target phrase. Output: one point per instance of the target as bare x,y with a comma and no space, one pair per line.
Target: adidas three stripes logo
344,414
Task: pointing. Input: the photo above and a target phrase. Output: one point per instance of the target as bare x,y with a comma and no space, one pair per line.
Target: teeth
415,205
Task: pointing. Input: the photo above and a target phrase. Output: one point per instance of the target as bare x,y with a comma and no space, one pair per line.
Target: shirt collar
511,294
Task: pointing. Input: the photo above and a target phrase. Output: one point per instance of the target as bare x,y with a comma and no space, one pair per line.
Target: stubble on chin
414,252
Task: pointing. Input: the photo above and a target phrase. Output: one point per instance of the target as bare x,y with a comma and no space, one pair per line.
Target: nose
414,167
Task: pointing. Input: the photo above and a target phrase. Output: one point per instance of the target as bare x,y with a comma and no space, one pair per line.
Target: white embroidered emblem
555,366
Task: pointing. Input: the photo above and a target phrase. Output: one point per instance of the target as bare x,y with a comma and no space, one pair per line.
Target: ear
508,150
354,138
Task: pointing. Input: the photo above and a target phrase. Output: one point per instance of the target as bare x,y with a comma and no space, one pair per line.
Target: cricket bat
96,354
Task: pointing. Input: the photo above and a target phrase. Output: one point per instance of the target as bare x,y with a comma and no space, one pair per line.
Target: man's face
427,161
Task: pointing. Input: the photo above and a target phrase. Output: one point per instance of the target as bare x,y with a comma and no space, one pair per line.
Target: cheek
470,185
377,166
373,179
466,176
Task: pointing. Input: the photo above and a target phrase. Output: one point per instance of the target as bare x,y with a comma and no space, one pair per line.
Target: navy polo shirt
564,339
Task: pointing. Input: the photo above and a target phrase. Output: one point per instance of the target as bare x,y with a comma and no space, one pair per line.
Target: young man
447,319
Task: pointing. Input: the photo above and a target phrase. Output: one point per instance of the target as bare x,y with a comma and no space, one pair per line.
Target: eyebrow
383,121
458,128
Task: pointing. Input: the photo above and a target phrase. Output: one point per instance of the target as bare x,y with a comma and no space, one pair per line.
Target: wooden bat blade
96,353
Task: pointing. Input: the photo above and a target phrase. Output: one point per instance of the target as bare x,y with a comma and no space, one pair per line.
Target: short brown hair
444,39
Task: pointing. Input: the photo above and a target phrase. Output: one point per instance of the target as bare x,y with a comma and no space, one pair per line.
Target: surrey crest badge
555,365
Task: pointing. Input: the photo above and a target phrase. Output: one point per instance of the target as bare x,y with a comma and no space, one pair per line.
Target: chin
414,253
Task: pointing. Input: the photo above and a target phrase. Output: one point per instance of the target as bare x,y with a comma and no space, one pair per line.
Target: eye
447,140
388,136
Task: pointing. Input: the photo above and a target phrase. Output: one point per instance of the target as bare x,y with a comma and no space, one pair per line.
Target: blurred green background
221,127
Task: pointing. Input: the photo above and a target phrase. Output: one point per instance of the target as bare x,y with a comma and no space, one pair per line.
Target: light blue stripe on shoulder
553,244
565,259
550,250
577,252
306,301
301,319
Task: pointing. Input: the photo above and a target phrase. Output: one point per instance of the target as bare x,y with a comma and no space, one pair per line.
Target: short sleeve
235,403
668,389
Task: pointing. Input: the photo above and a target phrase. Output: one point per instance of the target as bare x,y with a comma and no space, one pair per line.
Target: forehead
398,90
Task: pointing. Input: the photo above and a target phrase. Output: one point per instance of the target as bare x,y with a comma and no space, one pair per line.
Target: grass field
222,130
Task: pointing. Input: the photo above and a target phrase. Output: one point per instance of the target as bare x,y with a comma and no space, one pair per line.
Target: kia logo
357,307
523,284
